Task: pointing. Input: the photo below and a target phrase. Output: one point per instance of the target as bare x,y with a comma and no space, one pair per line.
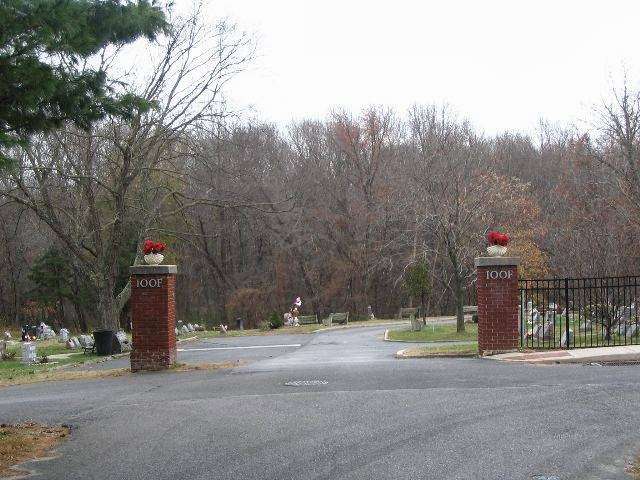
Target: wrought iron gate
579,312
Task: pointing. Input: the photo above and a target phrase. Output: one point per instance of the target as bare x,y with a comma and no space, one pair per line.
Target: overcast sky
504,64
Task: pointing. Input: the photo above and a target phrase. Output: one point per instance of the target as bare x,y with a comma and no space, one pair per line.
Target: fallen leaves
27,441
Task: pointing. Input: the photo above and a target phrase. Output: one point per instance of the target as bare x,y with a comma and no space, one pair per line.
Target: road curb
346,327
187,339
401,354
427,342
568,360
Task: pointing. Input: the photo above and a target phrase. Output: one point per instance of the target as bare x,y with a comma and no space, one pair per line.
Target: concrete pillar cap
152,269
497,261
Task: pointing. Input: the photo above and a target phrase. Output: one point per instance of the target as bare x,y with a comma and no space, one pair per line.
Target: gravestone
28,352
46,332
536,331
370,314
535,316
585,325
548,330
86,341
563,341
123,342
631,330
63,335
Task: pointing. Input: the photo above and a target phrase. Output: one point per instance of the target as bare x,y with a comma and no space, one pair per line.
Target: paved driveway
361,414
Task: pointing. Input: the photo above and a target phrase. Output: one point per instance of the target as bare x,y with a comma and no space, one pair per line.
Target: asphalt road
365,415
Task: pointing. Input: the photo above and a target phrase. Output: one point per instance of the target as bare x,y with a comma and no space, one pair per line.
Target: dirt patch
57,375
634,469
186,367
26,441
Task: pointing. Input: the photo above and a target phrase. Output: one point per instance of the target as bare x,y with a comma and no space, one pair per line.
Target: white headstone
536,330
63,335
563,340
631,330
548,330
28,352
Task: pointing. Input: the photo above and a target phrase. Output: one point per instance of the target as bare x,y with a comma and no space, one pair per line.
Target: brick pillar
153,316
498,304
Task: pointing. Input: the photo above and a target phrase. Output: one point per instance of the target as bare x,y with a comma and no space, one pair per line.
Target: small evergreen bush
264,325
275,320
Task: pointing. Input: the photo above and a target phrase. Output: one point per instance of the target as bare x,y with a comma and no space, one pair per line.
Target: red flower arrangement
497,238
153,247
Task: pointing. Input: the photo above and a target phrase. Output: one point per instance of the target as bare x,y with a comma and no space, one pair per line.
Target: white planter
496,250
153,258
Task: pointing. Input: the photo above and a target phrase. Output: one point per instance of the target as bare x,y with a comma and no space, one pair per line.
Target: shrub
9,355
249,304
264,325
275,320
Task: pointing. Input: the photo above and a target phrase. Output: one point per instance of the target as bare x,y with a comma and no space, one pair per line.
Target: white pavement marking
237,348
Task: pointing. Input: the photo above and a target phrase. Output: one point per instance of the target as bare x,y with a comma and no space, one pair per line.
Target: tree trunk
81,320
459,297
107,312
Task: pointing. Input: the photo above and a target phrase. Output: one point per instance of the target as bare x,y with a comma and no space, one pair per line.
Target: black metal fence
579,312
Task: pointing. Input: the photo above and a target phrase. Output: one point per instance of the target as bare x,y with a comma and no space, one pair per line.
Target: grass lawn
253,332
453,350
282,331
435,333
14,369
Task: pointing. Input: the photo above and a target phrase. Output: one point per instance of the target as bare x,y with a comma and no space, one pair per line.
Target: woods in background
345,211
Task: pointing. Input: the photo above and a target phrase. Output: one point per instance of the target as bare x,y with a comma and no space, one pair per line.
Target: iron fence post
566,306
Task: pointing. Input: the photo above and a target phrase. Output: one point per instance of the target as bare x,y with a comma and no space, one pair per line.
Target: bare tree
458,196
102,191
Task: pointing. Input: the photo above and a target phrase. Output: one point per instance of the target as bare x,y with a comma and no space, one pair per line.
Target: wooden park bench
471,310
411,313
307,319
406,312
340,317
